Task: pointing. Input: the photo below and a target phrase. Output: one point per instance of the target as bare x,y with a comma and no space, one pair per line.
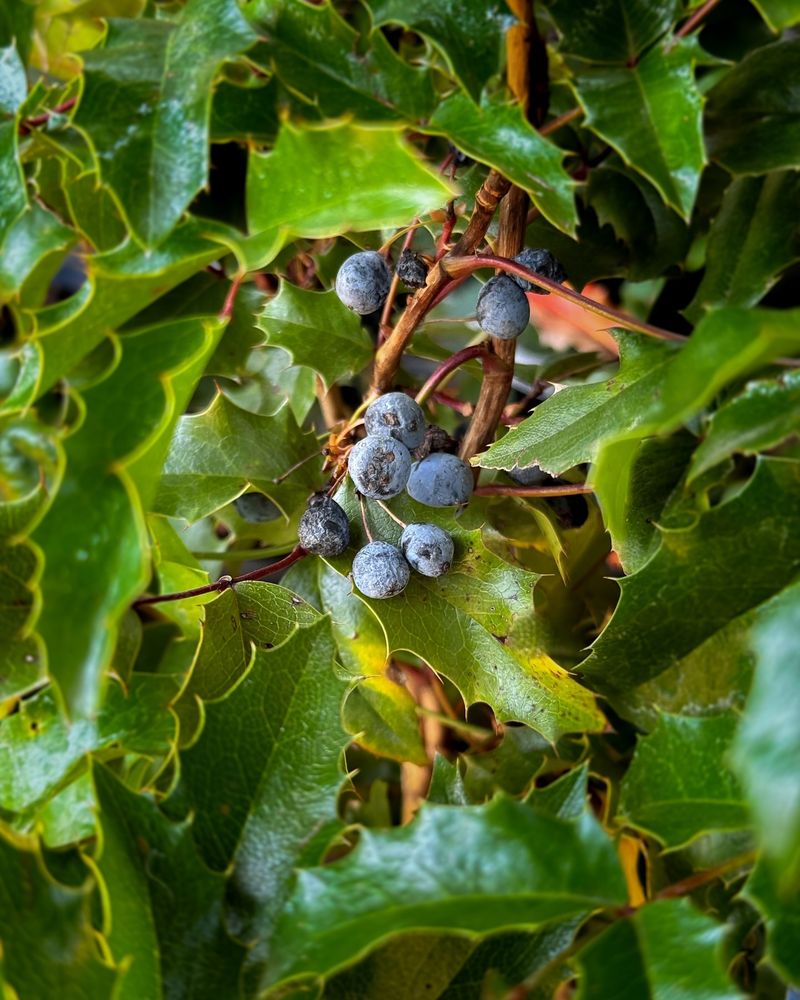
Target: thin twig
439,374
391,514
501,490
385,325
553,126
59,109
230,299
688,26
364,519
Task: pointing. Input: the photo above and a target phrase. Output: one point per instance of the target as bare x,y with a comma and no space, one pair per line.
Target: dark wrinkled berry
323,528
436,439
379,466
256,508
380,570
441,480
428,548
544,263
399,416
502,308
411,269
363,282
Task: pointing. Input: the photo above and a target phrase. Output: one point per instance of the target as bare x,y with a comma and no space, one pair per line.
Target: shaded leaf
778,13
782,917
611,30
382,715
35,234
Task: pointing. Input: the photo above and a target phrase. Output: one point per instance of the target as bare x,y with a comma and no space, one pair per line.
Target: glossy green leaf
567,428
263,779
391,882
611,30
499,135
382,716
779,13
751,118
760,417
317,331
49,944
651,113
317,54
657,621
509,767
13,197
215,454
34,235
782,917
453,623
666,950
679,785
469,35
753,238
163,907
22,656
158,77
93,536
13,84
334,178
765,752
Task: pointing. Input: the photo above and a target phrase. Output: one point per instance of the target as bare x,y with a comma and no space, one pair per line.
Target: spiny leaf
382,715
611,30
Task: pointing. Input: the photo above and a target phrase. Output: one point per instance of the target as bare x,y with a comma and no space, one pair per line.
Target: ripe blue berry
502,308
544,263
531,475
428,548
363,282
399,416
256,508
323,528
440,480
380,570
379,466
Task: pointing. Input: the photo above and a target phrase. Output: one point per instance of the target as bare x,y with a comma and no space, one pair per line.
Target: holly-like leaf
158,76
455,623
751,118
767,743
33,236
611,30
263,779
382,715
679,785
499,135
164,908
760,417
753,238
778,13
391,882
567,428
49,944
334,178
657,622
469,35
651,113
317,331
654,954
215,454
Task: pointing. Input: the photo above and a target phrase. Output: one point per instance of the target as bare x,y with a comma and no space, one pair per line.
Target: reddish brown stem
501,490
688,26
226,582
553,126
230,299
59,109
449,365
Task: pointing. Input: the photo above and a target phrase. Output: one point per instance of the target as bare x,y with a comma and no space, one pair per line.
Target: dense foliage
563,759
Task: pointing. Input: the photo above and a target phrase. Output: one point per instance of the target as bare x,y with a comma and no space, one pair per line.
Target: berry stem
59,109
450,364
688,26
385,325
226,311
501,490
391,514
364,519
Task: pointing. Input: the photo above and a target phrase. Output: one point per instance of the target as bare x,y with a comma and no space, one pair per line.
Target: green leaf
778,13
158,77
657,621
35,234
163,907
215,454
382,716
453,623
317,331
651,113
510,767
263,779
760,417
392,882
665,948
753,238
679,785
13,84
766,747
40,752
93,536
499,135
751,118
611,30
13,196
49,944
469,35
782,917
315,53
332,179
567,428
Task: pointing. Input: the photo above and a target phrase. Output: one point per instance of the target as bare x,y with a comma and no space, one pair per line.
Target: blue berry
441,480
380,570
399,416
255,508
379,466
323,528
530,475
428,548
363,282
544,263
502,308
